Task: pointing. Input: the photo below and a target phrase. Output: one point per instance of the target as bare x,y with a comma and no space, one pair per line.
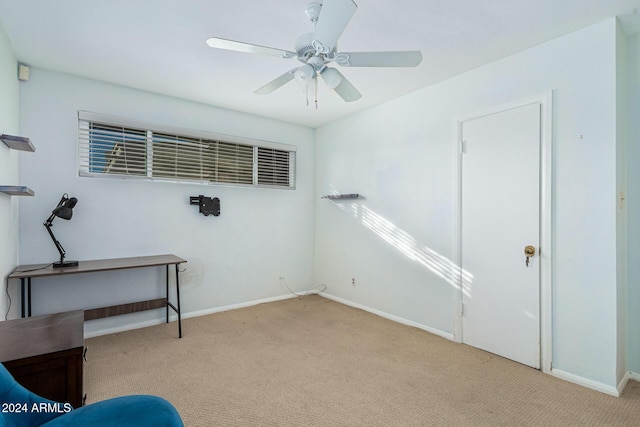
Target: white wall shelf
341,196
17,190
23,144
18,142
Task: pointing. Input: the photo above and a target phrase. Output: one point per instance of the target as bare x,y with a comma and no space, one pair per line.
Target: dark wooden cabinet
45,354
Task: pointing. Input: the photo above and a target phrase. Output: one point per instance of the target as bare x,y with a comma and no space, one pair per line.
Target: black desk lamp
64,210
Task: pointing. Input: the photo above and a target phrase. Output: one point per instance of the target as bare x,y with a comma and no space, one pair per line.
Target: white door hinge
463,146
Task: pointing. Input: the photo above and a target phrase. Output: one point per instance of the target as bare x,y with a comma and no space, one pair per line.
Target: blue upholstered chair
21,408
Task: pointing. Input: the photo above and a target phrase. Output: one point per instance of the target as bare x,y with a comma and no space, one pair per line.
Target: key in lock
529,251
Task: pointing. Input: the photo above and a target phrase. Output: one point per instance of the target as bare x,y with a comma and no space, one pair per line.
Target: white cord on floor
315,290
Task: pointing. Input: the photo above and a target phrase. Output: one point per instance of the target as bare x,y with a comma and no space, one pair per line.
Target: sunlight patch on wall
407,245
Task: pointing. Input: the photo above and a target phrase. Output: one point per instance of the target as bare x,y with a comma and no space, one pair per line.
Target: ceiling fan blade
409,58
333,19
219,43
276,83
346,90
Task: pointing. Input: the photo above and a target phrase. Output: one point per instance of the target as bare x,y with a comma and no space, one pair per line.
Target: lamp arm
49,222
47,225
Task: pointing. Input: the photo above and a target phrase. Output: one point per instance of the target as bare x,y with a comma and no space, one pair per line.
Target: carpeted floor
310,361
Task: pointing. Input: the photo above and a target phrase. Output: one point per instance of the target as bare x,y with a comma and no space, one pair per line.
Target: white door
500,214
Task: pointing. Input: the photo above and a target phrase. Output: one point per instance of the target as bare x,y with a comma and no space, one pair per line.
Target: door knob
529,251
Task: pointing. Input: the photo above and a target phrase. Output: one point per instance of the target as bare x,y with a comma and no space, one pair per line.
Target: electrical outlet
281,277
353,281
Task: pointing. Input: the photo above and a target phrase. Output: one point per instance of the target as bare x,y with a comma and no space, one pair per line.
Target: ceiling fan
319,48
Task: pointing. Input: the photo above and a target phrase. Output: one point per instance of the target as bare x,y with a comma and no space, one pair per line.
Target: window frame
86,118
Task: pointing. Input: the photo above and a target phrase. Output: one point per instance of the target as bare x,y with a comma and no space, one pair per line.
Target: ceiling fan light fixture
331,78
304,74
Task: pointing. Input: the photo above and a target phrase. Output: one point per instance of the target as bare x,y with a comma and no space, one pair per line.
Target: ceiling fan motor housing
307,47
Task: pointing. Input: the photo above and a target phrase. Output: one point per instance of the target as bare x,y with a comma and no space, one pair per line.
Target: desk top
33,336
42,270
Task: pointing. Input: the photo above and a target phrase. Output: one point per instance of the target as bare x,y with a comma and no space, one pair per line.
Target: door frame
545,100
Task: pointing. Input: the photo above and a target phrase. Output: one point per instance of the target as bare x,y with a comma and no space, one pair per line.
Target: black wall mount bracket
208,205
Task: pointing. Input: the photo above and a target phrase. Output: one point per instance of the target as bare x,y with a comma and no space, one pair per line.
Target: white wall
8,165
622,105
237,257
400,156
633,205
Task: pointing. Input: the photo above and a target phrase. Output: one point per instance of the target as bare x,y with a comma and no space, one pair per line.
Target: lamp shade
331,77
304,74
65,211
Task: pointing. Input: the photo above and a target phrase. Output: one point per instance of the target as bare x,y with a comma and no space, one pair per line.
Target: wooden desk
27,272
45,354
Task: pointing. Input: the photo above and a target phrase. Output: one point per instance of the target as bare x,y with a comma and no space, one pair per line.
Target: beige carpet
310,361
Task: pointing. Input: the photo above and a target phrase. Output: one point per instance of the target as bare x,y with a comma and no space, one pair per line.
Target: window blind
116,150
119,147
273,167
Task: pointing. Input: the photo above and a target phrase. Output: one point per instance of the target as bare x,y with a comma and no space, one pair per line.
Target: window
110,146
273,166
117,150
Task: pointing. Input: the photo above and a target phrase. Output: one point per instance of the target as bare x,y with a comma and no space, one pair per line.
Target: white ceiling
159,45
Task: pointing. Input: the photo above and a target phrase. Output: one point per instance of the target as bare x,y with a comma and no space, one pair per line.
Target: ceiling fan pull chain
316,94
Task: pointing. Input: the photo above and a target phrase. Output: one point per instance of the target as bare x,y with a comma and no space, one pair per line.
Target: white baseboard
122,328
634,376
623,382
585,382
434,331
173,316
236,306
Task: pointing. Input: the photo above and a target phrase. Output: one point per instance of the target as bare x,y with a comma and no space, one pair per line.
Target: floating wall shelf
18,142
23,144
341,196
17,190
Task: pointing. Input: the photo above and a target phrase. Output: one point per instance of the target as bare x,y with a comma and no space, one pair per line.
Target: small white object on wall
23,72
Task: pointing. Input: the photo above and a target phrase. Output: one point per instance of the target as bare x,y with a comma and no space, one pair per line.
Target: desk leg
23,312
167,276
25,297
29,295
178,297
176,307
